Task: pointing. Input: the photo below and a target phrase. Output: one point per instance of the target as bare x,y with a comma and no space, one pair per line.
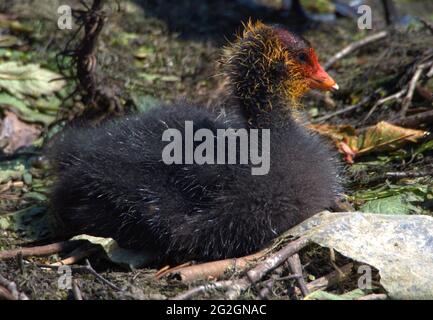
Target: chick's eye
303,57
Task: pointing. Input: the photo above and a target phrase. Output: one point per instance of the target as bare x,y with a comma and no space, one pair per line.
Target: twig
167,270
267,289
374,296
214,269
206,288
430,73
78,254
268,285
427,24
330,279
344,110
296,267
90,269
401,175
415,120
41,250
11,287
261,270
76,290
97,96
324,98
236,287
380,102
425,93
355,46
6,295
412,86
87,268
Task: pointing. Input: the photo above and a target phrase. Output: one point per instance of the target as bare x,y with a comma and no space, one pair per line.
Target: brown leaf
15,133
381,137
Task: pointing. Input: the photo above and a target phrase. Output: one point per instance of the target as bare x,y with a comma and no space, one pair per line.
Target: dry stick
427,24
401,175
11,287
374,296
261,270
415,120
45,250
6,295
214,269
266,290
76,290
394,96
425,93
330,279
167,270
267,285
296,267
430,73
412,86
236,287
355,46
341,111
87,268
78,254
220,285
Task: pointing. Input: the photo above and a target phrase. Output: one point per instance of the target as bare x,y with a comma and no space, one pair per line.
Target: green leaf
323,295
145,102
23,111
390,205
29,79
11,170
33,223
5,223
151,77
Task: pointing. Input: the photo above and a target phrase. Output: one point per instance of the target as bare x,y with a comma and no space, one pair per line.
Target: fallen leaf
23,111
399,246
381,137
17,133
29,79
398,204
116,254
323,295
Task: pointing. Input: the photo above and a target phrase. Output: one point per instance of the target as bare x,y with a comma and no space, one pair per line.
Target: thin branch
78,254
214,269
330,279
355,46
10,286
76,290
6,295
45,250
415,120
401,175
220,285
427,24
374,296
87,268
236,287
296,267
344,110
395,96
411,90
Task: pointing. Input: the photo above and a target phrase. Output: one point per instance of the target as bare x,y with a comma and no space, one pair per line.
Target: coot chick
111,180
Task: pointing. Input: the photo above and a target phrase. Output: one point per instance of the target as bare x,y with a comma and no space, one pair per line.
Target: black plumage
112,182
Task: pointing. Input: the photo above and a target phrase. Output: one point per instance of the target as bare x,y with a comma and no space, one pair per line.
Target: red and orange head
270,61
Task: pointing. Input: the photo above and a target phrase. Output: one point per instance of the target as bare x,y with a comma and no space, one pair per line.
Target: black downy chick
112,181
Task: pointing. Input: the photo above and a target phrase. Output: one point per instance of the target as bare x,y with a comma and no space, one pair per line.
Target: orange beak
322,80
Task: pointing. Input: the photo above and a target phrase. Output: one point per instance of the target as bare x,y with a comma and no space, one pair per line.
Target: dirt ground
160,50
